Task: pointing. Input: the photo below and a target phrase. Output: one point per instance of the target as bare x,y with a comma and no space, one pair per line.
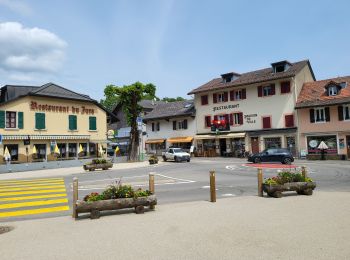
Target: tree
167,99
128,97
111,99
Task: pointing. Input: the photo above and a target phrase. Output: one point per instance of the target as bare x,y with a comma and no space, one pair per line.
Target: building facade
250,111
170,125
49,123
323,109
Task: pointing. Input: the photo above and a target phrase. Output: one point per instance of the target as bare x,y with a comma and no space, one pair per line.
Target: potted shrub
288,181
98,164
153,159
115,197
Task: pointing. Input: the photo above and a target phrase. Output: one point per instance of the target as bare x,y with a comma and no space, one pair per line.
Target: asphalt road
184,182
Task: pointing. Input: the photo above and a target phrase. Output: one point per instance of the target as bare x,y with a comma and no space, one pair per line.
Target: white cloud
17,6
29,50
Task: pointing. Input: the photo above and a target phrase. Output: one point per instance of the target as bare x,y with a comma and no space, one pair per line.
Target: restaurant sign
61,109
225,107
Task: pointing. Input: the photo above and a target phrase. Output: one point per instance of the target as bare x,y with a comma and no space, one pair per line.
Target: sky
177,45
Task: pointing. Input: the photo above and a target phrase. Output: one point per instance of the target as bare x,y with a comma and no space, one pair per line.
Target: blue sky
176,45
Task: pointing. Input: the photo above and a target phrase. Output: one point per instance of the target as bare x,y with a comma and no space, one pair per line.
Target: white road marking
205,187
228,195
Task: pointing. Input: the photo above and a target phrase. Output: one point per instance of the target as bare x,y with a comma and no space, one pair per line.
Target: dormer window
228,77
280,66
332,91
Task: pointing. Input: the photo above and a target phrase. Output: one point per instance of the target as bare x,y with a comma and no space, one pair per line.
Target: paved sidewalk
293,227
60,172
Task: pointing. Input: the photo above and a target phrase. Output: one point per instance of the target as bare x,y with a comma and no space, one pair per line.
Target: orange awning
185,139
154,141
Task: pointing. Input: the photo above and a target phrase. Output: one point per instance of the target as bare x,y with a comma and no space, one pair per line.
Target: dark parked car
272,155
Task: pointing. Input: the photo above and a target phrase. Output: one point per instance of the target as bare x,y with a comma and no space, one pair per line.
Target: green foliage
94,196
111,99
141,193
99,161
167,99
287,177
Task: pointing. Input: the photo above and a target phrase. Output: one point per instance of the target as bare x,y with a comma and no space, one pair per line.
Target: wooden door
255,144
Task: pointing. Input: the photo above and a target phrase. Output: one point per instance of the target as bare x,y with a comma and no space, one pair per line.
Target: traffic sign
0,139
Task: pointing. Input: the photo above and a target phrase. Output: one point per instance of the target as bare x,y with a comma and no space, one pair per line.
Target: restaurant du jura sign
61,109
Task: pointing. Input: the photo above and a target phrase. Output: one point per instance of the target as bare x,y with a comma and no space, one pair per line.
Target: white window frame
332,91
320,112
16,126
181,125
346,108
220,97
238,94
266,90
236,119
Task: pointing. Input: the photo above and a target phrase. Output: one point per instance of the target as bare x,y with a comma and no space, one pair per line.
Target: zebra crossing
22,198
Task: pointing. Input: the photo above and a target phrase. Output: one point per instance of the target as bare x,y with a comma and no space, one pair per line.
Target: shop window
204,100
11,119
92,123
92,149
285,87
266,121
273,142
63,151
72,122
41,151
84,147
72,150
13,151
314,141
40,121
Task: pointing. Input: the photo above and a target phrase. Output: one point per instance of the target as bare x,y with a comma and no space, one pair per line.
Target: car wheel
164,158
257,160
287,161
176,159
188,160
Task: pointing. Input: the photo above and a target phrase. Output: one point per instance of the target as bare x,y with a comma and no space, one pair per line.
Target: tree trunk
134,135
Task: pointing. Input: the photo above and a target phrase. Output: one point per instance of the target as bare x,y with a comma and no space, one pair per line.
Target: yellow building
49,123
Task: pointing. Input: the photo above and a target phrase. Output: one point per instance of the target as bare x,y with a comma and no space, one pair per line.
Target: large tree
110,98
128,97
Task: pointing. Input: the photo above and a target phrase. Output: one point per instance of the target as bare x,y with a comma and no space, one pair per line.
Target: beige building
49,123
250,111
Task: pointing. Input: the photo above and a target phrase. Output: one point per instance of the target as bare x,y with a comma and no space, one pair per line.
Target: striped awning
45,137
184,139
155,141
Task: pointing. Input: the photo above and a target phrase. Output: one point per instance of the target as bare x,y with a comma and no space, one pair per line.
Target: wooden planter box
302,188
96,206
153,161
92,167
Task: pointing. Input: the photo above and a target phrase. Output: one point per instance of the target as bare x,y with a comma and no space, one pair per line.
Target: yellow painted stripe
29,184
56,195
59,186
4,194
32,211
32,203
29,181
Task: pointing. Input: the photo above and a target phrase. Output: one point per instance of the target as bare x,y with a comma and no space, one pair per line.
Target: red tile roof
253,77
315,94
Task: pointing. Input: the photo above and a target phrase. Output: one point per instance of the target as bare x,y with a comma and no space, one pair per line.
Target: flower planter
95,207
92,167
302,188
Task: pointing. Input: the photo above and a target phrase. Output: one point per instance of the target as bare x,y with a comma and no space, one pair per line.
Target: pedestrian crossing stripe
32,203
32,188
56,195
4,194
33,211
29,184
36,180
28,181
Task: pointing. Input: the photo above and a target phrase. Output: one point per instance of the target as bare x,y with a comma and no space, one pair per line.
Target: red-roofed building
323,110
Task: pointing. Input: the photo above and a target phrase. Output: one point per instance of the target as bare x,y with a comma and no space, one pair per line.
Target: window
72,150
204,100
158,126
285,87
92,123
272,142
72,122
267,91
41,150
40,121
13,151
238,94
319,115
11,119
236,119
220,97
264,91
153,129
279,68
289,120
332,91
266,121
174,125
207,120
346,112
183,124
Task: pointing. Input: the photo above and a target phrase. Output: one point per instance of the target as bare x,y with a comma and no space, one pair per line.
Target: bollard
303,171
260,182
212,186
75,197
151,186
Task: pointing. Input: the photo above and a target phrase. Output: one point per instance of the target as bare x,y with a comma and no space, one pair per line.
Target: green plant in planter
287,177
93,196
141,193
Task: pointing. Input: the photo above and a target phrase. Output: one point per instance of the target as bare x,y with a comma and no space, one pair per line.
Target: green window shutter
92,123
39,120
20,120
2,119
72,122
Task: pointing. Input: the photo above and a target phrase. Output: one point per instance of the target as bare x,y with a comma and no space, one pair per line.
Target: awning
155,141
205,136
231,135
236,135
184,139
45,137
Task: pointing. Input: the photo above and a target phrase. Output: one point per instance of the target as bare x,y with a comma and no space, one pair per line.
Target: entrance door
255,144
222,147
348,145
